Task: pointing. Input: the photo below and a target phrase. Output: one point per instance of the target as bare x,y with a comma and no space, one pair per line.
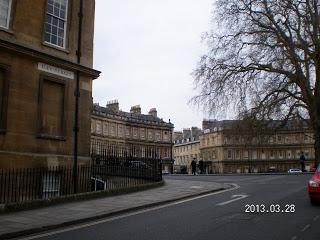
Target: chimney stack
113,105
135,109
186,133
153,112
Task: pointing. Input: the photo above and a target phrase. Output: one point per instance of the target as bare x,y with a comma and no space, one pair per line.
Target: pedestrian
302,160
194,166
201,167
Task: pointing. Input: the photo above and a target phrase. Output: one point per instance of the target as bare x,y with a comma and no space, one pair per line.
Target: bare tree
264,58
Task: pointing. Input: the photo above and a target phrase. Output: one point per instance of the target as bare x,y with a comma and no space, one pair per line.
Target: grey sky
146,50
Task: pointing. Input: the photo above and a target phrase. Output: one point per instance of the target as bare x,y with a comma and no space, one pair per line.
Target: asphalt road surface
283,212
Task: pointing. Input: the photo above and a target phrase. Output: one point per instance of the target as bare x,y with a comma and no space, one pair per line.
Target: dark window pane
61,33
54,39
50,9
54,30
62,14
61,24
56,4
55,21
47,37
56,12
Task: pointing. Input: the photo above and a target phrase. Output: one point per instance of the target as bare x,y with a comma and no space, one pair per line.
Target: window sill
6,30
55,47
51,137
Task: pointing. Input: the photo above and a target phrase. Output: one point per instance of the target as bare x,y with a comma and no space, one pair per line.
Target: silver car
294,170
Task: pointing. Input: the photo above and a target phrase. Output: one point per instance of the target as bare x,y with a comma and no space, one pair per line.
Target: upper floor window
229,154
55,25
5,7
105,129
120,131
98,127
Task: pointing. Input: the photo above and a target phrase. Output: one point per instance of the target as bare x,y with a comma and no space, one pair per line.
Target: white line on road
316,218
305,227
294,238
234,198
68,229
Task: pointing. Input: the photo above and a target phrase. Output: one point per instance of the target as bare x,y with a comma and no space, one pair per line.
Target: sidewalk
36,220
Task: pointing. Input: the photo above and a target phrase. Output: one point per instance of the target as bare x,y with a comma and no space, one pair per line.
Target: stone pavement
37,220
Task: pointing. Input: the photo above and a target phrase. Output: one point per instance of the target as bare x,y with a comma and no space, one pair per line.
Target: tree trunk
317,145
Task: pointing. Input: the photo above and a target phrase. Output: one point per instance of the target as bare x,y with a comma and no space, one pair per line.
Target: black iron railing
111,168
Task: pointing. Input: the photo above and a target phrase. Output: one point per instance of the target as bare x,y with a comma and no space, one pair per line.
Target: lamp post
76,111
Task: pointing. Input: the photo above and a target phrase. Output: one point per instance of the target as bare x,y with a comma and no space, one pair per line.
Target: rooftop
210,125
129,117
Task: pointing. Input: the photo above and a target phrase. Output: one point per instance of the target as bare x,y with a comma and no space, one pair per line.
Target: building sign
55,70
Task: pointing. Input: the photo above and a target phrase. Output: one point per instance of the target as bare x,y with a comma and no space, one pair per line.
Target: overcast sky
146,50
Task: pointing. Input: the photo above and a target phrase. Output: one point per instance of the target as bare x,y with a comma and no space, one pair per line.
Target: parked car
314,186
294,170
138,164
272,169
165,172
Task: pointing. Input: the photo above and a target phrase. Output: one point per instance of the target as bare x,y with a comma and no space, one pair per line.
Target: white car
294,170
165,172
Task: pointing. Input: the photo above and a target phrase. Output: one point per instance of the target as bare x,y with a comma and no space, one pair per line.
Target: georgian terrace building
146,132
46,55
186,147
230,150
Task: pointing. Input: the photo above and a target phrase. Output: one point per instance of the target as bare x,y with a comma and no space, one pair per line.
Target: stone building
46,48
233,149
146,132
186,147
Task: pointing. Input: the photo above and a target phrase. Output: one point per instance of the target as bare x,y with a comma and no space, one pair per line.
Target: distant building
145,132
186,147
231,147
40,59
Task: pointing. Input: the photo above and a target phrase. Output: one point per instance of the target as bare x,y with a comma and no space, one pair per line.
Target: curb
110,214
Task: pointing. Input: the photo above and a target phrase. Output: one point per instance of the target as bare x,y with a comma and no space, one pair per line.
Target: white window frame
65,26
8,16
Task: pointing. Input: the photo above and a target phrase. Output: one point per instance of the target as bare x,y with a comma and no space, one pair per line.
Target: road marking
316,218
234,198
196,187
294,238
305,227
110,219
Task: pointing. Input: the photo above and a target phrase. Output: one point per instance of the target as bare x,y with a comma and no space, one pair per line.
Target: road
217,216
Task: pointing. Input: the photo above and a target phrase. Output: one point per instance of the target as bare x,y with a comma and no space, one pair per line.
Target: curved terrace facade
111,126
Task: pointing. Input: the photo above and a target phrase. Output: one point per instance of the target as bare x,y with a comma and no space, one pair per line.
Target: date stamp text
269,208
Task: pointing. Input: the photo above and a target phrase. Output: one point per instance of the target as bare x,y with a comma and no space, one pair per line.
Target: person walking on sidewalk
194,166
